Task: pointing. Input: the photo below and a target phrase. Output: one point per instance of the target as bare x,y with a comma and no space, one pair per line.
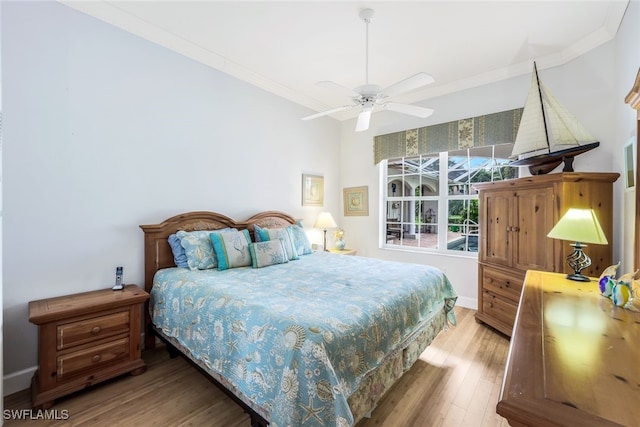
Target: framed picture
630,164
356,201
312,190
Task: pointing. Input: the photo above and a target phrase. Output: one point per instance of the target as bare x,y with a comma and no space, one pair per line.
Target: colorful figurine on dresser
621,290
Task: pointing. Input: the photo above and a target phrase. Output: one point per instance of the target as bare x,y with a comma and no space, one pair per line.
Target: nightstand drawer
93,329
90,358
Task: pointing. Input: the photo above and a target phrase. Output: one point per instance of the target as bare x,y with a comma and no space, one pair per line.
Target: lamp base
578,261
578,277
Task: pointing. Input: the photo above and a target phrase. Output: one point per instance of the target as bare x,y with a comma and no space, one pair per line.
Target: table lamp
325,221
581,226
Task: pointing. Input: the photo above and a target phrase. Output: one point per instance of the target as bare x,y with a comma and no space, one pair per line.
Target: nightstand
84,339
343,251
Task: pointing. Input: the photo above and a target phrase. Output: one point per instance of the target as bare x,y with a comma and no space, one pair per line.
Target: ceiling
287,47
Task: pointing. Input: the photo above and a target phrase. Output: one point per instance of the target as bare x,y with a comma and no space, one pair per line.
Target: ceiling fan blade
338,89
408,84
412,110
328,112
363,119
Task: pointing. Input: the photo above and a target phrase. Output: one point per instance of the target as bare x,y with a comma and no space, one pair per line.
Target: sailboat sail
548,132
532,136
565,129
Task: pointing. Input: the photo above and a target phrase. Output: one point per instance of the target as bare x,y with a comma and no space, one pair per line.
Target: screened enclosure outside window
425,212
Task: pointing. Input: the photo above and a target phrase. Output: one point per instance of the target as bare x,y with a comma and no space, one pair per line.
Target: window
425,212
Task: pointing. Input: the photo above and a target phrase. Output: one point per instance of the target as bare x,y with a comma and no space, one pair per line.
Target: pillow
198,249
268,253
231,248
256,233
300,239
179,257
283,234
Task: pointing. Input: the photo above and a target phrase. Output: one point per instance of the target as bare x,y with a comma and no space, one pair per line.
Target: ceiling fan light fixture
363,120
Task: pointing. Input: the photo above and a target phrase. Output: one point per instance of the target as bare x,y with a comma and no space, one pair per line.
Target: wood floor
455,383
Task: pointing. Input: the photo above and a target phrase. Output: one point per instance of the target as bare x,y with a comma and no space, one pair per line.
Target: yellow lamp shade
579,225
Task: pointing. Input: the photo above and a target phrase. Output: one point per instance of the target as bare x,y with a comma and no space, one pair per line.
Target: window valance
490,129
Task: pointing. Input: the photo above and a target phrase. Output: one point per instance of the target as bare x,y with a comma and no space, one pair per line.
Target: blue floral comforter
298,338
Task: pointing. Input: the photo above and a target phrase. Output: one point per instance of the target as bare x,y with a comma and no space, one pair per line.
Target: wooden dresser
515,217
84,339
574,357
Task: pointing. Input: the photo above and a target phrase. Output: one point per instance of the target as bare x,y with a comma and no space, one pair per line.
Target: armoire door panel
534,250
496,233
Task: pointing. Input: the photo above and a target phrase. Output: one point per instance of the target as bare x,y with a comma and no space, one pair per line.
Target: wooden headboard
158,254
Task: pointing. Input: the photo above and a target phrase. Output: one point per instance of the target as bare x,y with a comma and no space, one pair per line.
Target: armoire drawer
499,283
499,308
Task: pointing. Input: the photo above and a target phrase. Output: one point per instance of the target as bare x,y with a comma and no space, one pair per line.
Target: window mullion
443,216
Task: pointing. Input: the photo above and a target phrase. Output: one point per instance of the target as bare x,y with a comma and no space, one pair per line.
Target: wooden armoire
515,217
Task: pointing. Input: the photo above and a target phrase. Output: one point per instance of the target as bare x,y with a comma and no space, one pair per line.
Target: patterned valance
491,129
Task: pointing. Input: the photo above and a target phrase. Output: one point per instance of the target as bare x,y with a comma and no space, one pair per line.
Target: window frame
442,198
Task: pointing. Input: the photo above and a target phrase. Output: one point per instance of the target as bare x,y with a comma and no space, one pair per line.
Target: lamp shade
579,225
325,220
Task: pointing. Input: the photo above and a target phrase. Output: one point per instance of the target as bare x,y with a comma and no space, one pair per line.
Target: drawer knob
95,329
96,358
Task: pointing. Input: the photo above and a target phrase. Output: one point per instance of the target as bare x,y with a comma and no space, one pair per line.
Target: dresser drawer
92,329
499,308
505,285
92,358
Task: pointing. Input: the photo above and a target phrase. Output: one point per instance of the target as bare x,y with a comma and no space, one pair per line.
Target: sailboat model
548,133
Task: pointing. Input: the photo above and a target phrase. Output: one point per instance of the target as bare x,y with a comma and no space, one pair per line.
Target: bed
314,340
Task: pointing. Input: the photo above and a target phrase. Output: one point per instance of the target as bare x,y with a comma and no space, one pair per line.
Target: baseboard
17,381
467,302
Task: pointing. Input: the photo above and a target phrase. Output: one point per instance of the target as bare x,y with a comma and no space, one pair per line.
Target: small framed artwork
630,164
312,190
356,201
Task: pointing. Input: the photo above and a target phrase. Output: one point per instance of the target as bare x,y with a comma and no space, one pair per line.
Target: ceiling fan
369,96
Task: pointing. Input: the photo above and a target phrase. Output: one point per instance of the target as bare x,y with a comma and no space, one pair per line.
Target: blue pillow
300,239
198,249
256,233
268,253
283,234
179,257
231,248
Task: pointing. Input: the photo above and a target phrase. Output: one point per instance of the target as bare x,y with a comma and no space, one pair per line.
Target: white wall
105,131
592,87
